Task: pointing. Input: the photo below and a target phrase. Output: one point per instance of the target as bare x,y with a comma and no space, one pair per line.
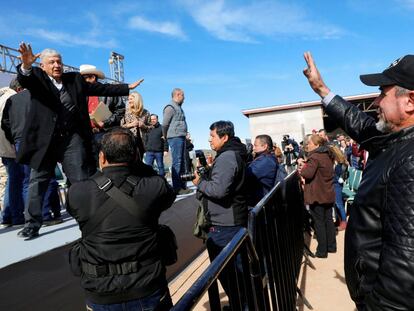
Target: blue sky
226,55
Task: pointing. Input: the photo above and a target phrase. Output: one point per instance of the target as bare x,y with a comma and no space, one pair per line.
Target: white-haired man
379,240
58,128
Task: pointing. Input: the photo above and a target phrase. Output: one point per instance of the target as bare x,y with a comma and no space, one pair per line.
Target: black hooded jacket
225,188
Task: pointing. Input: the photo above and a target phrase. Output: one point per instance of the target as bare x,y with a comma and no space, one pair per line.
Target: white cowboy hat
91,70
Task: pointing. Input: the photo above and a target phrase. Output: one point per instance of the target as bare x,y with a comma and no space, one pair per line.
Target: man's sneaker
184,191
52,222
28,233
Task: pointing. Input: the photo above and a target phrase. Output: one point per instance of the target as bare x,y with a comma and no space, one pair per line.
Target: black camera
201,169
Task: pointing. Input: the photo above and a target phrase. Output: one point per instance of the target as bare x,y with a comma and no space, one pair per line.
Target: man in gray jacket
175,130
224,191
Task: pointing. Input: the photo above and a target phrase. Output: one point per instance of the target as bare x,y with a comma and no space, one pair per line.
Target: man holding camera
120,263
291,150
224,190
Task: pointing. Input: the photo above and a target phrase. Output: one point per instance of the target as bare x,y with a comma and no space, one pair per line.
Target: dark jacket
319,174
121,237
155,142
14,116
261,176
225,189
379,240
45,103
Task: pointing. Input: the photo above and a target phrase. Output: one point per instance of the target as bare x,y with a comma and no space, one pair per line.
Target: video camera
202,169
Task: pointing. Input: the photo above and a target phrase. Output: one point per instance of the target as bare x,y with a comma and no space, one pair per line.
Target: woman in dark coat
319,192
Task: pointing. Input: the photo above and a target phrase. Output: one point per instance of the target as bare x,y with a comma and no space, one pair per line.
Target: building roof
352,98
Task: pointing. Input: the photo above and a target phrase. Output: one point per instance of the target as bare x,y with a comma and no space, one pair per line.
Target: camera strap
120,198
116,196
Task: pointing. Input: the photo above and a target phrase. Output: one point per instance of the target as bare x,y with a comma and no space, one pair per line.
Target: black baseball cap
400,72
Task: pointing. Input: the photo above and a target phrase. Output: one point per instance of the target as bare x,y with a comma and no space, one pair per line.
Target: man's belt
115,269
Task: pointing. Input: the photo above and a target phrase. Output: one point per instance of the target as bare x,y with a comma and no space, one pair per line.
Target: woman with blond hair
340,168
137,120
319,192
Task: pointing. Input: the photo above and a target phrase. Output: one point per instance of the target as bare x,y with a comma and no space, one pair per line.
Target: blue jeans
13,195
150,156
339,202
156,302
177,146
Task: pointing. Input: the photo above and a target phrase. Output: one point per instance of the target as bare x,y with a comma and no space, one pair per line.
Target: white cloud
259,18
407,3
166,28
68,39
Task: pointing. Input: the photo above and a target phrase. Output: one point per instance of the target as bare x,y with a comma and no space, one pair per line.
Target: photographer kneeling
223,191
118,258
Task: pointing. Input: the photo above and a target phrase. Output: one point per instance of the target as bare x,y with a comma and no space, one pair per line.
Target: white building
299,119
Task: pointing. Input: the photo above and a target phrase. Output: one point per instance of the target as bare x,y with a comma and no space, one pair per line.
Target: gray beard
383,126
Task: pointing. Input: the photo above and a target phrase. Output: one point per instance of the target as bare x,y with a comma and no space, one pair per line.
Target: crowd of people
103,143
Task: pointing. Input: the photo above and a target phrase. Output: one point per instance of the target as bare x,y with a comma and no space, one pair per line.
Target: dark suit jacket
14,116
41,122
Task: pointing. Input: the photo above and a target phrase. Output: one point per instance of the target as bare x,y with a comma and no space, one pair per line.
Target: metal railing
9,59
276,226
246,284
266,262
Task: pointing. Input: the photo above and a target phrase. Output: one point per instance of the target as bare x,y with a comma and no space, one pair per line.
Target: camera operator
291,150
223,190
119,261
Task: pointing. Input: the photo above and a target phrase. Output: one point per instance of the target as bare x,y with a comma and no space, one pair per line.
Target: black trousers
71,152
324,227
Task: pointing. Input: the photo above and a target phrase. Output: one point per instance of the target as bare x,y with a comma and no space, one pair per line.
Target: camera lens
187,177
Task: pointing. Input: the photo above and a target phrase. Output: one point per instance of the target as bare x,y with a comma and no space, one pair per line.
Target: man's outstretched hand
314,77
135,84
26,55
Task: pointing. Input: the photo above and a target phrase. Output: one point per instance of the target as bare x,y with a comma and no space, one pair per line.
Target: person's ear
102,160
409,107
226,138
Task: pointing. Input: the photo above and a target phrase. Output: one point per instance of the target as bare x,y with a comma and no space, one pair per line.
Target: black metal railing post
264,263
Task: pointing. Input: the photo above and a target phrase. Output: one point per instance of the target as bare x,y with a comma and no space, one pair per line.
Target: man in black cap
379,240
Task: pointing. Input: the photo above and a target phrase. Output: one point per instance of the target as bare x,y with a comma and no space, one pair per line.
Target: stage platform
35,274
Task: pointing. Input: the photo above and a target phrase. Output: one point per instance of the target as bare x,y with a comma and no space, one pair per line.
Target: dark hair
266,139
223,128
153,114
119,146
